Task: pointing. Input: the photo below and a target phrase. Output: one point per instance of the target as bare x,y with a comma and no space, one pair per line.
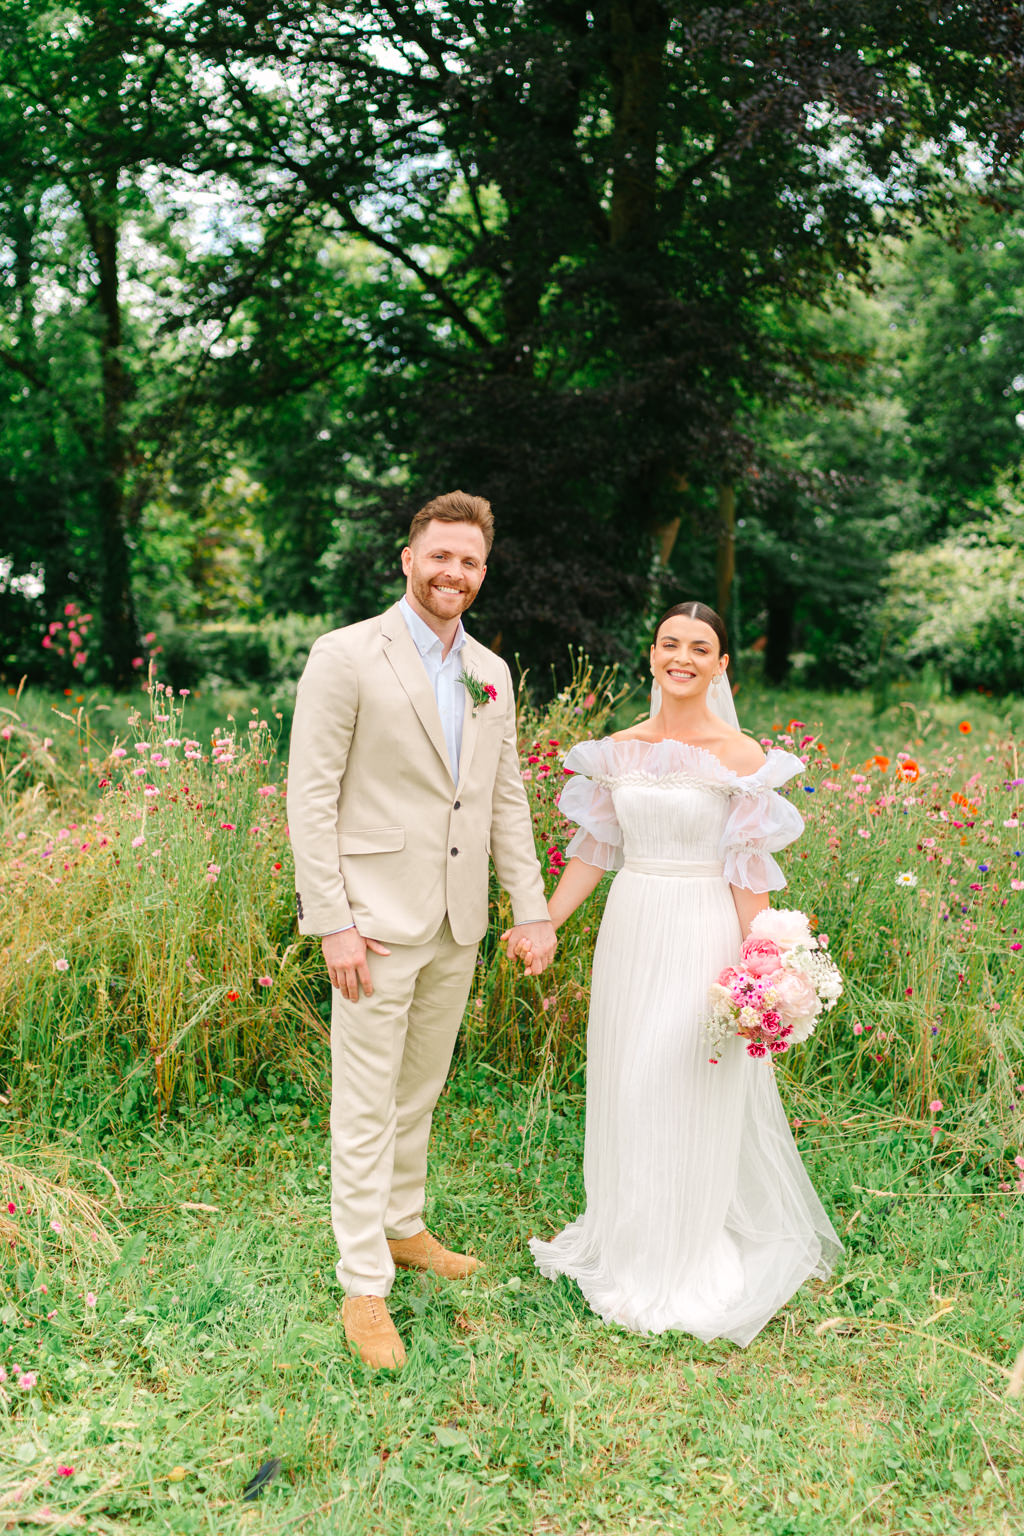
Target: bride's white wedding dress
699,1214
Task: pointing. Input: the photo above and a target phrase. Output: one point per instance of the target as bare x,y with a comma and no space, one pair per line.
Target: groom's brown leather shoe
371,1333
424,1252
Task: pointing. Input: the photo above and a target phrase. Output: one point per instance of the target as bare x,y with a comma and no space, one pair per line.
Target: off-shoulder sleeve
586,798
760,823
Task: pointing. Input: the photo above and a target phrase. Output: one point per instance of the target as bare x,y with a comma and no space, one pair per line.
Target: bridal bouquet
784,981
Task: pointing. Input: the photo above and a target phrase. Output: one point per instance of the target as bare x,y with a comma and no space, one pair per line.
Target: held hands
533,944
345,957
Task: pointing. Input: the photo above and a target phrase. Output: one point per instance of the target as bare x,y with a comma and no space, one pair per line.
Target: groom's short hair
456,507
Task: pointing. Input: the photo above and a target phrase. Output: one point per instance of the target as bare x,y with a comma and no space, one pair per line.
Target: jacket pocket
372,840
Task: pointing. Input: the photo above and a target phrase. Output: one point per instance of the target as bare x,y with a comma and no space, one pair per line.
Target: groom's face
444,569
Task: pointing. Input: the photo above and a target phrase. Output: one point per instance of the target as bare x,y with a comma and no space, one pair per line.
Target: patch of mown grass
875,1402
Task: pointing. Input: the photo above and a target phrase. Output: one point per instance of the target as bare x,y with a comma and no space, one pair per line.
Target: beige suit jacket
381,836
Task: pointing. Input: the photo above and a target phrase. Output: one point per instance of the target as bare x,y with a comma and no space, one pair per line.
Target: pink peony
795,995
760,956
729,978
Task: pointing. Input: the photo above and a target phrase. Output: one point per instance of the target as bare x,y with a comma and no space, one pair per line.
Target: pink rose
761,957
795,996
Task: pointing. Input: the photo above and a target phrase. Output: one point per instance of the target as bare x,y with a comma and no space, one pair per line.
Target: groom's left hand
536,943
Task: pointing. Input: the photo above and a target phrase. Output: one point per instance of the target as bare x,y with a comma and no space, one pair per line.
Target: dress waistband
707,869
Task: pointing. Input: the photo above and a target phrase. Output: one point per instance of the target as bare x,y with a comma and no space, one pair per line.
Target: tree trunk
119,624
638,37
779,637
50,524
725,556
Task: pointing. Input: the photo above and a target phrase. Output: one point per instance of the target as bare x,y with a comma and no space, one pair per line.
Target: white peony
785,927
798,998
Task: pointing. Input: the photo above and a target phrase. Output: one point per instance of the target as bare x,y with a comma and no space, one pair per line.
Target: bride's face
685,658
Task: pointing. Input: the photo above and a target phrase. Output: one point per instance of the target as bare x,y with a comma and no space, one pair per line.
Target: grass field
877,1402
169,1317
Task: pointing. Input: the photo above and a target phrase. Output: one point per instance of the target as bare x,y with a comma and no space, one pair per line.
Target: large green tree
129,267
593,224
584,234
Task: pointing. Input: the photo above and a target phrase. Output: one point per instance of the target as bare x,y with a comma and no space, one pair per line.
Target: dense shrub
958,607
269,655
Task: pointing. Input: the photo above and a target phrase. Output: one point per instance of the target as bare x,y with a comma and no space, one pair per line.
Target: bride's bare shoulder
741,753
641,732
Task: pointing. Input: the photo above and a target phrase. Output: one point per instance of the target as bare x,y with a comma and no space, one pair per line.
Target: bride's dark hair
706,616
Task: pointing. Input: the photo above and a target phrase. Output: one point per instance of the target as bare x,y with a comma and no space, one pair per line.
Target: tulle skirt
699,1213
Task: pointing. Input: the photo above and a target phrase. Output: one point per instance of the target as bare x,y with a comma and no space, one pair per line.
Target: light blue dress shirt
443,672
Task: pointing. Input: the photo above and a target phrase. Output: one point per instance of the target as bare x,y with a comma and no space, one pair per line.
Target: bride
699,1214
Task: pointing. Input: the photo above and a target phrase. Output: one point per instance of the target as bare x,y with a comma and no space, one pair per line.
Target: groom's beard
441,605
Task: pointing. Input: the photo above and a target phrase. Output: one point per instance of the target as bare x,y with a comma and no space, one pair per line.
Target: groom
403,777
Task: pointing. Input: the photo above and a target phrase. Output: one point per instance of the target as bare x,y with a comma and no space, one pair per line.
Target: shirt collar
423,636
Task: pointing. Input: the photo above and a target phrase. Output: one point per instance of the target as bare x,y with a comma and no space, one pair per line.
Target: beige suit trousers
390,1055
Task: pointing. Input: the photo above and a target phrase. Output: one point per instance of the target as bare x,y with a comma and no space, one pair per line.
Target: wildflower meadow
169,1317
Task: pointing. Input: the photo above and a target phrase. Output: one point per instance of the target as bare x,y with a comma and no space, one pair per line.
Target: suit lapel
470,728
407,663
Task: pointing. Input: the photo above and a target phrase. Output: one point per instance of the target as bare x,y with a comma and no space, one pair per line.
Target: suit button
454,852
456,805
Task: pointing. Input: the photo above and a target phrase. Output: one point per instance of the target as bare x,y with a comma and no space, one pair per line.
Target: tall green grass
150,956
147,929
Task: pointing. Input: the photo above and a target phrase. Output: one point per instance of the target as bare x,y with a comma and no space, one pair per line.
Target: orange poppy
965,727
878,761
908,771
962,800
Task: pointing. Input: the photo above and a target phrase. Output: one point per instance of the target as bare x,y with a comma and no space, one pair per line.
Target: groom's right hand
345,956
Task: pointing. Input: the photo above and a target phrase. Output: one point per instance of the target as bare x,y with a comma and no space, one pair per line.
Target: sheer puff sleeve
586,798
761,823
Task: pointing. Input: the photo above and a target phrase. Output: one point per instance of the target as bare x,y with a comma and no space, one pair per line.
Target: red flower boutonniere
480,692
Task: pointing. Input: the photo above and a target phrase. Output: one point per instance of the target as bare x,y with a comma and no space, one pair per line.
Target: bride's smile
686,656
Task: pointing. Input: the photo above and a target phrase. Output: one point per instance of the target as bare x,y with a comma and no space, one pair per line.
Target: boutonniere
479,692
